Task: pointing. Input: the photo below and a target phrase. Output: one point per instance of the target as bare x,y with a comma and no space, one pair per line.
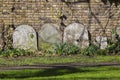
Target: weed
15,53
91,50
66,49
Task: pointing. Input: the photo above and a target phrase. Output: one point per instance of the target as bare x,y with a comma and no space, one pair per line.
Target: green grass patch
66,73
57,59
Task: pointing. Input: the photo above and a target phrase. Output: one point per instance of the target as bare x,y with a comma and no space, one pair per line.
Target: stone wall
96,16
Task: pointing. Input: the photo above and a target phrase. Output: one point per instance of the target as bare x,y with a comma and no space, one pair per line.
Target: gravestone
76,34
1,34
102,42
24,37
49,35
118,31
1,41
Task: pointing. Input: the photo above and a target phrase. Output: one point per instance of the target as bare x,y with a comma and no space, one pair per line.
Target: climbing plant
8,37
116,2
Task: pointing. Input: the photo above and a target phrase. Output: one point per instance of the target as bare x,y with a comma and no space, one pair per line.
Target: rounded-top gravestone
24,37
49,35
76,34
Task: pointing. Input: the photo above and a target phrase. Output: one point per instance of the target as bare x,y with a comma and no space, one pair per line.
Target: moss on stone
44,46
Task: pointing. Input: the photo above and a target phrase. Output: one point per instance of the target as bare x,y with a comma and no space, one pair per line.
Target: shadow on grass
57,71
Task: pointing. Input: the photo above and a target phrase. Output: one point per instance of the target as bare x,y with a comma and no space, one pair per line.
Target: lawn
66,73
58,73
57,59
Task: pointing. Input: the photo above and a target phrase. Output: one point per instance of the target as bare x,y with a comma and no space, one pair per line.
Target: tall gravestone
76,34
49,35
24,37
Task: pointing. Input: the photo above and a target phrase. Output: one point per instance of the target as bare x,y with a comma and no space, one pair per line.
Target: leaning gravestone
102,41
48,36
24,37
76,34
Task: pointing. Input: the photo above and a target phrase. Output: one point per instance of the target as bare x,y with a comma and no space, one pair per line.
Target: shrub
91,50
114,48
114,44
72,49
102,52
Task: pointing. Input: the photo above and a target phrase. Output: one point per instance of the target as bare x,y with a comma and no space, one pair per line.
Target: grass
61,73
56,59
67,73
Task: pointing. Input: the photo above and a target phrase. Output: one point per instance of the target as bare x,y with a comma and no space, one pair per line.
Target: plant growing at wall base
66,49
60,48
91,50
15,53
114,48
114,44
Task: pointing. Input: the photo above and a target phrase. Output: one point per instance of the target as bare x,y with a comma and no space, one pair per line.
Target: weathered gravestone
49,35
1,41
102,42
118,31
1,35
76,34
24,37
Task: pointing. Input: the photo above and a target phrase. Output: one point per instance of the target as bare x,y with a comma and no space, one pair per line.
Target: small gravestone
48,36
118,31
1,41
102,42
1,35
114,38
76,34
24,37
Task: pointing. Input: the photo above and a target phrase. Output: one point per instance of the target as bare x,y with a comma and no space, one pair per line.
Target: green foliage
114,47
46,47
91,50
66,49
60,48
102,52
15,52
72,49
32,36
114,31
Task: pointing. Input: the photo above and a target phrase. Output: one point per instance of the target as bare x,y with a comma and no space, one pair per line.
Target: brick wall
96,16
